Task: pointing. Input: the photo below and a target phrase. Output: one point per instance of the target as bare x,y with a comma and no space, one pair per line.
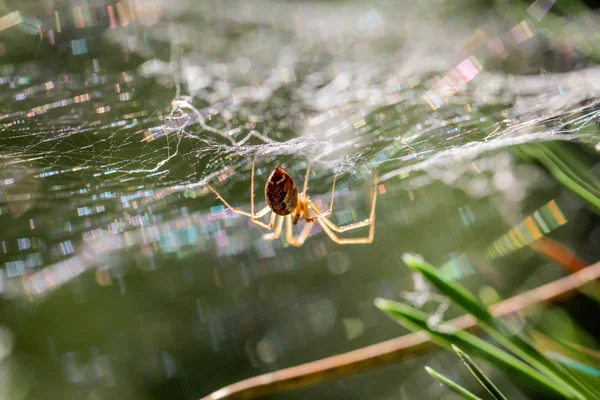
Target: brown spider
284,201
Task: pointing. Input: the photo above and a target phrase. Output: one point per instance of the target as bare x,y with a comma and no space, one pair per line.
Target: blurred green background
122,276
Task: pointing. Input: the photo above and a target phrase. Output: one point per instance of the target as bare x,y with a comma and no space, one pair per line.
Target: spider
284,202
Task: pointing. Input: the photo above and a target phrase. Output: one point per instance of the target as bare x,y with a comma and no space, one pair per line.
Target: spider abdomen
281,192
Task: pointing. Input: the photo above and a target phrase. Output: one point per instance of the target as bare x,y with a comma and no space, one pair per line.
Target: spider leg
289,235
277,232
338,228
262,212
305,195
271,221
305,186
319,213
253,217
252,192
299,208
329,227
338,240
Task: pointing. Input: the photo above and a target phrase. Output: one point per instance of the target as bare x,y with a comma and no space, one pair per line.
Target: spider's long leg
254,218
262,212
328,226
338,228
326,213
271,221
289,234
278,227
338,240
305,195
305,186
252,192
234,209
250,214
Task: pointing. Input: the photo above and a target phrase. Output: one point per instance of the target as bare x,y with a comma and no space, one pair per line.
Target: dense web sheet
116,155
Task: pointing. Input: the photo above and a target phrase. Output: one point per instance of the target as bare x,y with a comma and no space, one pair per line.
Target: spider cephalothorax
284,201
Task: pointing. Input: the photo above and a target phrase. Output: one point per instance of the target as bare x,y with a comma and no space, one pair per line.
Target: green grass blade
461,296
416,320
579,350
568,168
517,344
450,384
478,373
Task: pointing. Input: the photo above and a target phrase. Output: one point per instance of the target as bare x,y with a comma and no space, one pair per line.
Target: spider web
112,155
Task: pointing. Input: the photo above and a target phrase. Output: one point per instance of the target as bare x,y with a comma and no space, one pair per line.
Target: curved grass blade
517,344
478,373
568,168
450,384
455,292
581,351
416,320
